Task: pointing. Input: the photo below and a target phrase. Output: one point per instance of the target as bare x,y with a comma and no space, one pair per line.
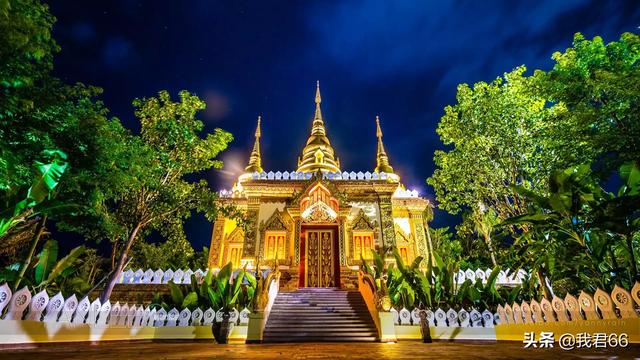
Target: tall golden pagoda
318,153
318,223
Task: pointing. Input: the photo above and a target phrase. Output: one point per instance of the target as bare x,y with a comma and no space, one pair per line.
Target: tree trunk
546,289
32,249
487,239
634,264
113,278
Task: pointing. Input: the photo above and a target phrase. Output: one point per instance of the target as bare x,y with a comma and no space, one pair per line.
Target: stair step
319,315
304,322
290,339
347,325
324,331
321,321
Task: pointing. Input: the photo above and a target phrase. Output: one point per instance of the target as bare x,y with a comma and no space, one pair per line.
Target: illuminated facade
318,222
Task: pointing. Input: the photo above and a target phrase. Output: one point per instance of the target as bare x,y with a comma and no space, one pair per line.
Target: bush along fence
618,312
40,307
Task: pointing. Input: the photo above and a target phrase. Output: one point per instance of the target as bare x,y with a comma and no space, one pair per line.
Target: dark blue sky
401,60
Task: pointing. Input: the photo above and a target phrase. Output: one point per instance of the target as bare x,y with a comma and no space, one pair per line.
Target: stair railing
367,288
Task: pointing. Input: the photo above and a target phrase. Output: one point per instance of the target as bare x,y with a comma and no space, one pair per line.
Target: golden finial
382,160
258,133
318,98
255,160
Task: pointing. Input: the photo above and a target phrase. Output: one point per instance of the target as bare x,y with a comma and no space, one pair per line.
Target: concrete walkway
402,350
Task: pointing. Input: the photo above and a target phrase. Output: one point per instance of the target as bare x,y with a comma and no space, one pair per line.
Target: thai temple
318,222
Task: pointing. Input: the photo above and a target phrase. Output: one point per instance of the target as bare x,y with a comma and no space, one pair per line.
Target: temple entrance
320,266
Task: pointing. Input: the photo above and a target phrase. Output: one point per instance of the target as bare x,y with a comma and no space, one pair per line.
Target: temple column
341,240
386,221
417,222
215,250
250,250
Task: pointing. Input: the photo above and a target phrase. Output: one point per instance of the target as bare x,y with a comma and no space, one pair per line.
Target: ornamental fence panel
620,304
21,305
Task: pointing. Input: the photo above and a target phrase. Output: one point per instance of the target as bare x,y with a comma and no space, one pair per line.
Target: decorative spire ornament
382,160
255,160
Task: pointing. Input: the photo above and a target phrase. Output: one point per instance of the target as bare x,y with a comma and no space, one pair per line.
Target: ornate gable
310,184
361,222
236,236
276,221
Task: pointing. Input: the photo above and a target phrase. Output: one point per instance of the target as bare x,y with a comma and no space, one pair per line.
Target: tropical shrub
48,272
578,235
218,291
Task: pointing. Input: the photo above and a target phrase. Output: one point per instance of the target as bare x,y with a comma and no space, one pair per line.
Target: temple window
363,245
274,245
404,254
235,255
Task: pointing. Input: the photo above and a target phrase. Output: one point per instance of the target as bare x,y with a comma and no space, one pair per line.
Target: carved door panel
320,264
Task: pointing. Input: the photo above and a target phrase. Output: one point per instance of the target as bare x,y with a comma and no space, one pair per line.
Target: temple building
318,222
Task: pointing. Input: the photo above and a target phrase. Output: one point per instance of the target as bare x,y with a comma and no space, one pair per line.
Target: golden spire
382,160
255,161
318,123
318,153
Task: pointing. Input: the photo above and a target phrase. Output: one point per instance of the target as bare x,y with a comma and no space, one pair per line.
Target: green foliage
518,129
175,253
48,272
26,50
39,196
156,194
595,91
216,291
579,233
494,133
433,285
46,260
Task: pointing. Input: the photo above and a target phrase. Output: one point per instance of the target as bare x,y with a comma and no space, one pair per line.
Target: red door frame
336,251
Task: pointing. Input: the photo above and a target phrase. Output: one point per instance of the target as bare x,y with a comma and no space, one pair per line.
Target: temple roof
318,153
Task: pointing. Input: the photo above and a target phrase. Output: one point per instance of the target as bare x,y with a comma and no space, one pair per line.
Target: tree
175,253
484,221
494,133
595,90
156,194
518,129
39,116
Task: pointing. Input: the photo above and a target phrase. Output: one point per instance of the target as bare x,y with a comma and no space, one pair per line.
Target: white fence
505,277
40,307
149,276
164,276
620,304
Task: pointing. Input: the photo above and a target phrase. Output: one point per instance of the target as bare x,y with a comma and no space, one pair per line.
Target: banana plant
41,190
217,291
48,272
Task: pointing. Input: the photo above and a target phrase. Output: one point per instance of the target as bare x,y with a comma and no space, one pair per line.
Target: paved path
401,350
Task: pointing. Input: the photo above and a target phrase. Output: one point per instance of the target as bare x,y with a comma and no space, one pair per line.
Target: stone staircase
319,315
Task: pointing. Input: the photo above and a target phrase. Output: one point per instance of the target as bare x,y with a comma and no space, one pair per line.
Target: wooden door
319,252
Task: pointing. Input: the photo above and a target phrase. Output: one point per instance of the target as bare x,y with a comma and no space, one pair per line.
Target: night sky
401,60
